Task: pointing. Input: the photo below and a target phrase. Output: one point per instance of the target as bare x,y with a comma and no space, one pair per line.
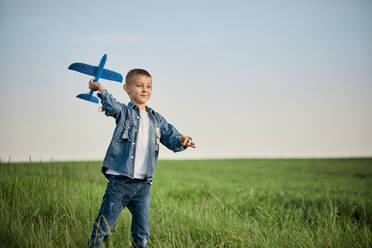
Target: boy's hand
185,141
95,85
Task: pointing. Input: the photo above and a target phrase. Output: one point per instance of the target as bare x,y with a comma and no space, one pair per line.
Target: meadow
196,203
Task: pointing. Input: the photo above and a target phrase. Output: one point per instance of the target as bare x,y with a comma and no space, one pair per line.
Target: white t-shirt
141,158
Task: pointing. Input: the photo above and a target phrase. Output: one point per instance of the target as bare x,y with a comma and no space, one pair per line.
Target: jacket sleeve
169,135
110,105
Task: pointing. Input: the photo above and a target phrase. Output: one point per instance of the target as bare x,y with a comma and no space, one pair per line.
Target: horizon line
193,159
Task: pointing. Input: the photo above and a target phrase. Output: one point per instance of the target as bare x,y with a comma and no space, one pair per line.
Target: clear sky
266,78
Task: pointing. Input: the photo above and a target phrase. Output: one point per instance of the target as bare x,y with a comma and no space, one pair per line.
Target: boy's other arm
171,138
109,103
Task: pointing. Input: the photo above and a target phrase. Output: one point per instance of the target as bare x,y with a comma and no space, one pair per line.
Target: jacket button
137,117
133,143
132,157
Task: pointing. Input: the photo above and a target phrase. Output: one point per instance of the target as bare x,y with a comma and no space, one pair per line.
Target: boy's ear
126,88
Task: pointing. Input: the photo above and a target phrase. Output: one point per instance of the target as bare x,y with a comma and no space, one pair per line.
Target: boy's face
139,88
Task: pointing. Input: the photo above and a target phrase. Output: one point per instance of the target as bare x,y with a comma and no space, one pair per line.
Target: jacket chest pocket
129,130
155,135
157,138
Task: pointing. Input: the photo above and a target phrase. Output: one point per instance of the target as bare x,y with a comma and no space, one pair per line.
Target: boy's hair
134,72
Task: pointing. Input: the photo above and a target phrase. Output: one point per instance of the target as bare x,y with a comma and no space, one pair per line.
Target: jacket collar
132,105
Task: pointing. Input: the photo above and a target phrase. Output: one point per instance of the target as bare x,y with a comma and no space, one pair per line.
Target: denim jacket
122,149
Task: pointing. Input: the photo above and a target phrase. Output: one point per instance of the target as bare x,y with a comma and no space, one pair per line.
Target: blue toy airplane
98,72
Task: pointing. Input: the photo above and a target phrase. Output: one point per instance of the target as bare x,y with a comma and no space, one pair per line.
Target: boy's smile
139,89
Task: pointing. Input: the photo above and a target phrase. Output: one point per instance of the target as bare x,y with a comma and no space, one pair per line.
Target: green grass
197,203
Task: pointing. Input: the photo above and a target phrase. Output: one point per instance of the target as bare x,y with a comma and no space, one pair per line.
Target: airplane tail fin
88,97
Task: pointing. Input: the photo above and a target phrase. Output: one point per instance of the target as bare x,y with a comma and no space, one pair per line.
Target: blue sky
243,78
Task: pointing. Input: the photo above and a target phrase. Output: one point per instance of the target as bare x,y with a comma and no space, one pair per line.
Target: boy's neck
143,107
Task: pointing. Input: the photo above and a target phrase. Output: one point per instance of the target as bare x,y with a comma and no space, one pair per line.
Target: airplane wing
111,75
84,68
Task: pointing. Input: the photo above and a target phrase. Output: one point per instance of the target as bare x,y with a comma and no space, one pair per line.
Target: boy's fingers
190,143
92,82
185,141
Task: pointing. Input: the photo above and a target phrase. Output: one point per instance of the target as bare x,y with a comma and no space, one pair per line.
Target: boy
132,156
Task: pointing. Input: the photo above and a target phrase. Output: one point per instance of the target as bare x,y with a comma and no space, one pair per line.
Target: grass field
197,203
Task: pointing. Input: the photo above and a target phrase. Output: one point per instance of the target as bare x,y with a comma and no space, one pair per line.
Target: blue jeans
124,192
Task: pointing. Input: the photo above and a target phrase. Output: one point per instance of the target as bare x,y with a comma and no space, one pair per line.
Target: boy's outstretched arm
109,103
171,138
